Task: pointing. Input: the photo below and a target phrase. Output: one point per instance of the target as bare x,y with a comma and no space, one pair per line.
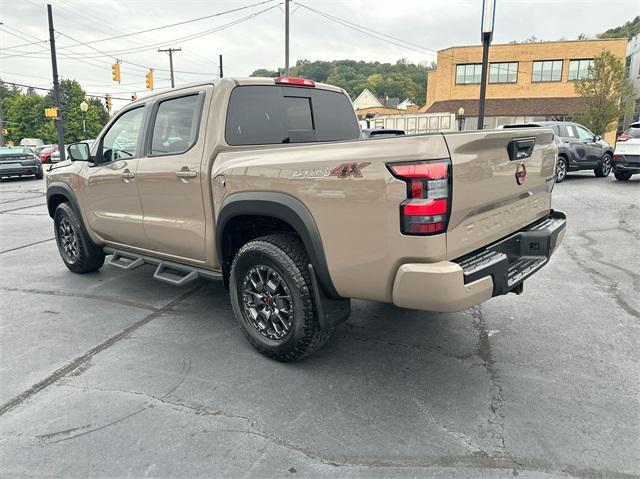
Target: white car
626,158
55,156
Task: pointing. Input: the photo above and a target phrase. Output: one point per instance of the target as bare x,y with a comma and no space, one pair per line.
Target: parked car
578,148
626,157
39,149
45,154
266,184
31,142
19,161
55,156
380,133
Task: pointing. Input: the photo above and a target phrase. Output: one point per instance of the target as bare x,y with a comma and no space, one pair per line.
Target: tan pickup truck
266,184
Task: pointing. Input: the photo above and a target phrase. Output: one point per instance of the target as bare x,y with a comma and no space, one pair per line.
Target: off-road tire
605,166
561,172
88,257
285,254
622,175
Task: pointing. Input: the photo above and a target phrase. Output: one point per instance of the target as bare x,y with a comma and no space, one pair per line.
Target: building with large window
526,81
632,67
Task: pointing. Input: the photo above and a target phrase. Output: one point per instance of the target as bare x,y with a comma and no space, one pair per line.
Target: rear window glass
633,132
14,151
273,114
298,113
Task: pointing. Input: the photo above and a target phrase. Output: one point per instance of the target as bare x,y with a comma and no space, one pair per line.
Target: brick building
526,81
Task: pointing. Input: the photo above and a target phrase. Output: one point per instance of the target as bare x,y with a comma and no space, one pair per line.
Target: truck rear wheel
78,252
272,298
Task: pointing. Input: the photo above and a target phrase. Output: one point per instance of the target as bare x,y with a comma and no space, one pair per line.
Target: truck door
111,203
170,179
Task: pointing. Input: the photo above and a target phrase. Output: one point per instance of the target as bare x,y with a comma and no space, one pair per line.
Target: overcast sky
259,41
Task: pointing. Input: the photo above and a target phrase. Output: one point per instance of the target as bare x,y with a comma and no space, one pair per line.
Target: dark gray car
19,161
578,148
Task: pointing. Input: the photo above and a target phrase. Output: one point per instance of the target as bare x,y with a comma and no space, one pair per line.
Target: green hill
401,79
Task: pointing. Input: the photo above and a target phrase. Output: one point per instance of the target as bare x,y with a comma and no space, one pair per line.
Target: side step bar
175,274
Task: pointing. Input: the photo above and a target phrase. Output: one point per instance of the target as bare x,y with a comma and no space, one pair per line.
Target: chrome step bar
176,274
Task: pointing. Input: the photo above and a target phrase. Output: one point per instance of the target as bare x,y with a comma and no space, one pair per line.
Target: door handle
186,174
127,174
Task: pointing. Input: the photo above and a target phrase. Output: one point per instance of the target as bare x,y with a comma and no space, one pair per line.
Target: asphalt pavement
113,374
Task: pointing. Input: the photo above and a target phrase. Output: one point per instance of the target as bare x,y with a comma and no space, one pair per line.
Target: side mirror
597,138
79,151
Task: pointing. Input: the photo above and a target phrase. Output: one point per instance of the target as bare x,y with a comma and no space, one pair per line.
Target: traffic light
107,100
51,113
149,77
115,72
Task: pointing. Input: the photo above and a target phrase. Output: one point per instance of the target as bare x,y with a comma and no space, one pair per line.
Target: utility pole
220,61
488,17
286,37
170,52
56,86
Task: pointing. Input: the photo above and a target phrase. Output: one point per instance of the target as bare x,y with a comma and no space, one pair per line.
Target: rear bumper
631,168
497,269
626,163
20,171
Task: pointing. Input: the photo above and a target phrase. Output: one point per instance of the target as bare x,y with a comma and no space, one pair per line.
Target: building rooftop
511,106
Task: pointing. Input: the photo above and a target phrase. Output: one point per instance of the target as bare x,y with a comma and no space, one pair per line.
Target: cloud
259,42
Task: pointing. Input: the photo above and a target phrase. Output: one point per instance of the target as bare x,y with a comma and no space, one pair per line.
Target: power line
178,23
152,46
22,85
393,40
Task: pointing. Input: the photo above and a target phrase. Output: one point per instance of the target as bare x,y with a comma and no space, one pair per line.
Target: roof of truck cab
239,81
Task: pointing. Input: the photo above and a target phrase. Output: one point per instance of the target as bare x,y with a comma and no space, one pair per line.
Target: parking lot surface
115,374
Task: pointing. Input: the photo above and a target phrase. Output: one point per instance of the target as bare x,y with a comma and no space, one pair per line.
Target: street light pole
488,17
460,119
84,106
286,37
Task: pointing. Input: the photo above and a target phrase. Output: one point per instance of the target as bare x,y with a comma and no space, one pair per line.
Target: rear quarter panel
358,217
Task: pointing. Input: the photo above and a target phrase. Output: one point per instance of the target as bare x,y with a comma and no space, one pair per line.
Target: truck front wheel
272,298
78,252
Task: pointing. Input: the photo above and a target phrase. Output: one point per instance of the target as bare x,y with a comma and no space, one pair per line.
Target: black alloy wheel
266,302
68,240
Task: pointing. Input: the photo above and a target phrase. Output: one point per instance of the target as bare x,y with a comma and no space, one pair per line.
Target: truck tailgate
488,203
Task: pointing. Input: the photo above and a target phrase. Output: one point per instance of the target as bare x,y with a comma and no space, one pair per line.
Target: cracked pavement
114,374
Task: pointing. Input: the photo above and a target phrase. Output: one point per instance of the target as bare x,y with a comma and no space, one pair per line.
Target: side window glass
176,126
584,134
567,131
122,138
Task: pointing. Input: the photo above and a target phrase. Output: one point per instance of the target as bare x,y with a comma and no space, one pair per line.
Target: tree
628,30
263,72
24,116
24,113
401,79
606,93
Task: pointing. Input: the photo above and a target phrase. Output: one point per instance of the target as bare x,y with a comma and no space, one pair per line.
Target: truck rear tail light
623,138
295,81
428,204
